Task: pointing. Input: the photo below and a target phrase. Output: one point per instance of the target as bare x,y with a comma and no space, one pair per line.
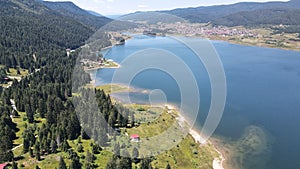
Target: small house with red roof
135,138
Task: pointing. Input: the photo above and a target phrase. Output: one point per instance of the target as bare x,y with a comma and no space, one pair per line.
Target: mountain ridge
274,16
238,14
69,9
209,13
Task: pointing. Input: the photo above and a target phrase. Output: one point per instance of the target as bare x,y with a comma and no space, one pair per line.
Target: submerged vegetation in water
249,150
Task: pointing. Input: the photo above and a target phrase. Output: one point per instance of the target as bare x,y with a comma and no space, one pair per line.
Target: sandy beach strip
217,162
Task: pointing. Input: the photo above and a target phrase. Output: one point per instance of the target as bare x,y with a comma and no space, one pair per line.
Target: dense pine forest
35,37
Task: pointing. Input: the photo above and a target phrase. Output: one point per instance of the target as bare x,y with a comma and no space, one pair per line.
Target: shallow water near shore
261,118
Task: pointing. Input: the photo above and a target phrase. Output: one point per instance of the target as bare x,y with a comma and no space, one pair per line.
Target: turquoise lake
261,121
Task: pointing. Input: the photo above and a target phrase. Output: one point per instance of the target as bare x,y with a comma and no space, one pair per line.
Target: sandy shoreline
217,162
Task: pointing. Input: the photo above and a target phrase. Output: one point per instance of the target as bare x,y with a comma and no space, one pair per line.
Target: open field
187,155
114,88
156,127
13,72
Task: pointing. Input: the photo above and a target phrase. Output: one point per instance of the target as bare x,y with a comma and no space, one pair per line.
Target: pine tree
14,165
117,149
96,149
168,166
62,164
80,148
37,150
42,108
6,143
31,152
146,163
29,113
125,160
89,158
135,155
65,146
75,164
53,146
112,164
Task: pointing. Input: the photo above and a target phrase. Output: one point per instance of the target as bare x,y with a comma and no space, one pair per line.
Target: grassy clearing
13,72
76,94
110,88
155,127
145,113
114,88
187,155
49,161
5,85
21,124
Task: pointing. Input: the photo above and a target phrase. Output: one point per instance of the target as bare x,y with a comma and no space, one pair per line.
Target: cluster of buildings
193,29
90,64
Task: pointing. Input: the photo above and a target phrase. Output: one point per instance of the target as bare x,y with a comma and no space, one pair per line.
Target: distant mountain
151,17
94,13
275,16
69,9
113,16
244,13
206,14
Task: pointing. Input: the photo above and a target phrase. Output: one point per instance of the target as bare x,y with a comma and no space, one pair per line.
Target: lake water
261,121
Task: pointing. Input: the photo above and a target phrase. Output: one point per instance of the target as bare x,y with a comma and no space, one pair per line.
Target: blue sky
115,7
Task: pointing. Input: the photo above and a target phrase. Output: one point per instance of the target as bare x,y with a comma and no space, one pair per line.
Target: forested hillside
71,10
29,28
